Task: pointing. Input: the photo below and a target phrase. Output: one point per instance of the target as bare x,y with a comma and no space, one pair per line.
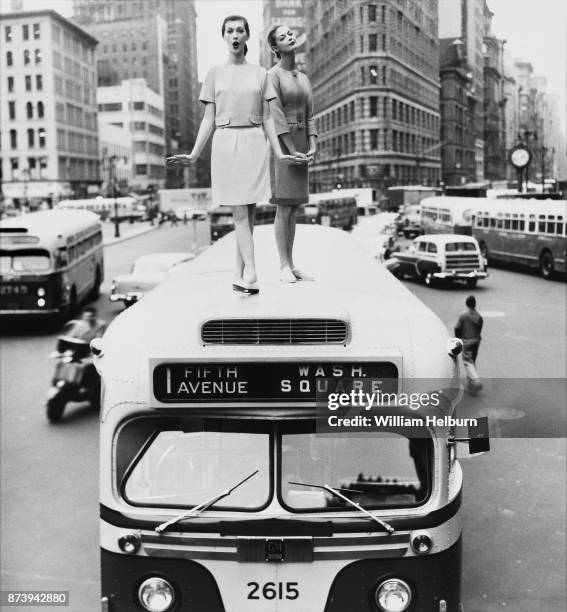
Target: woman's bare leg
282,231
243,229
291,234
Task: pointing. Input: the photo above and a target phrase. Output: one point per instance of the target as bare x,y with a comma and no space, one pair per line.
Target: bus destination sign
267,382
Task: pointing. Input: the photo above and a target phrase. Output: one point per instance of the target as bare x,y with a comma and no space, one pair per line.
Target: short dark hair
272,39
471,301
237,18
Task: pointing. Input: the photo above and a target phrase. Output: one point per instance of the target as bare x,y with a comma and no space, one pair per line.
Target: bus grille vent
274,331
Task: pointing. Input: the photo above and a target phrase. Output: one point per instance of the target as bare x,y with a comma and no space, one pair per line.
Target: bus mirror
477,442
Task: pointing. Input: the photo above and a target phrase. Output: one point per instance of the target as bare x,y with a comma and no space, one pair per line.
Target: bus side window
507,222
551,224
532,224
492,222
541,224
499,223
61,257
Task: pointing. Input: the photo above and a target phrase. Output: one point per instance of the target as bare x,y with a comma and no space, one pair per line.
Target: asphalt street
514,496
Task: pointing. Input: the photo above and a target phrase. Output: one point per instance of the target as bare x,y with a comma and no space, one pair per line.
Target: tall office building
176,42
464,20
374,68
494,131
48,125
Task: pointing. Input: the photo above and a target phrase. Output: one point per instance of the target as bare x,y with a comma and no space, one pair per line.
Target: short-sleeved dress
293,115
240,151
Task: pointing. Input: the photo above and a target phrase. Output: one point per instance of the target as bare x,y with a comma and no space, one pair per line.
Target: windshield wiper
204,505
382,523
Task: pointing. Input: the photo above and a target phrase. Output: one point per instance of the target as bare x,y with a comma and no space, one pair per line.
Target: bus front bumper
29,311
456,275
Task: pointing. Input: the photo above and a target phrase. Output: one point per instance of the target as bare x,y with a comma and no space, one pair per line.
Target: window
39,82
140,126
42,137
29,110
141,169
13,139
37,54
373,106
383,42
25,32
12,109
27,58
373,42
138,106
40,110
112,106
8,36
31,138
431,247
36,31
10,84
28,82
373,75
9,59
371,12
373,140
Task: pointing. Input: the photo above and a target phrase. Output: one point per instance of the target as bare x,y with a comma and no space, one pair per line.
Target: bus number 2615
273,590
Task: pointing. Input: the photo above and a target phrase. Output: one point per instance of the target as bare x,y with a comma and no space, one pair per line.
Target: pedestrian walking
468,329
292,110
236,96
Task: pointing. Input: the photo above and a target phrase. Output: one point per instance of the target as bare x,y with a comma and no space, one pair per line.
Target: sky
536,30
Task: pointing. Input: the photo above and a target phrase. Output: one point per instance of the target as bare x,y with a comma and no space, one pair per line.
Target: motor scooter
75,378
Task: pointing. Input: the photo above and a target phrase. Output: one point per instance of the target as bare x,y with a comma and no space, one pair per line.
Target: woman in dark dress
292,111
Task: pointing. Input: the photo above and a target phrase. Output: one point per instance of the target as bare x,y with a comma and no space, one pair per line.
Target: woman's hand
183,159
296,159
310,155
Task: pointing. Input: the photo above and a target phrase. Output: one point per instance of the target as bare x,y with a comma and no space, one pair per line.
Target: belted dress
240,151
292,111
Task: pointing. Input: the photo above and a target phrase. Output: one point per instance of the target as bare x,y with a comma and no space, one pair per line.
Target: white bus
125,208
50,261
216,491
528,232
447,215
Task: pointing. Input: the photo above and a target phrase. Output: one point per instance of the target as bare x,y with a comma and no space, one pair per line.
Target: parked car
189,213
147,272
434,257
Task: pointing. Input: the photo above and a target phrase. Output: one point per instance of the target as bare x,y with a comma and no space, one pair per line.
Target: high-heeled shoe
301,276
287,276
241,286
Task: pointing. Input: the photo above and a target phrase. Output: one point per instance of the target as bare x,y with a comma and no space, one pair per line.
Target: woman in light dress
292,111
236,96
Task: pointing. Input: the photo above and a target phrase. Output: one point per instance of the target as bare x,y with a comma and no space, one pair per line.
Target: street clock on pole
520,157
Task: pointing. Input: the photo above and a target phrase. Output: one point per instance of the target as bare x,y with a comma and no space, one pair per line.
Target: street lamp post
112,177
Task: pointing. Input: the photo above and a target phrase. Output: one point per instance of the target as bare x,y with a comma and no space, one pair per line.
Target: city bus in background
469,190
222,221
125,208
220,492
332,209
50,261
528,232
447,215
366,201
401,196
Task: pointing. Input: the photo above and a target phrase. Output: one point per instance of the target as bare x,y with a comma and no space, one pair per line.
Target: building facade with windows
465,20
458,103
138,109
374,68
48,125
166,56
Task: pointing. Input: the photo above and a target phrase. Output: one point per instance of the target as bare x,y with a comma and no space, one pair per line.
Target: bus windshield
33,260
186,467
384,470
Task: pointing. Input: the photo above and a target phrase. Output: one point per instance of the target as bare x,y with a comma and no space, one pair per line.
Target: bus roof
385,320
413,188
454,203
526,207
50,224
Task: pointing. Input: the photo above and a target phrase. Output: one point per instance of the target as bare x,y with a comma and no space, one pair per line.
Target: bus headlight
41,302
393,595
41,292
129,543
156,595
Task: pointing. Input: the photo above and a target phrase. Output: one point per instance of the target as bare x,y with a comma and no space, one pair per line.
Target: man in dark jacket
468,328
